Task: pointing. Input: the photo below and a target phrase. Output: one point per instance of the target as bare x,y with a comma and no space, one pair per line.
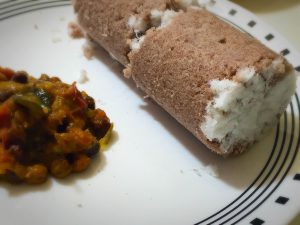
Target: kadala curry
46,127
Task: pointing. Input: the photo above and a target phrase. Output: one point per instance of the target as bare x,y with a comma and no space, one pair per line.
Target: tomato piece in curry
46,127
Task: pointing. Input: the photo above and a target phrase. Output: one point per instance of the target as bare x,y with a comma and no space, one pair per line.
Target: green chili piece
32,103
43,96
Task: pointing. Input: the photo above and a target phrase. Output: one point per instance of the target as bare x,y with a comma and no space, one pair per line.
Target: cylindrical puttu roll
221,84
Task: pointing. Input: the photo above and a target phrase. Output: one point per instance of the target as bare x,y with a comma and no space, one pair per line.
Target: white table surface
284,16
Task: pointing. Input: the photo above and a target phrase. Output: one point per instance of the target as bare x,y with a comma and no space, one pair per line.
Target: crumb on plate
83,78
75,31
88,51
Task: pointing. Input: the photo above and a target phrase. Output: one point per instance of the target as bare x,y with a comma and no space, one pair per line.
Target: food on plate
75,30
83,78
88,50
46,127
224,86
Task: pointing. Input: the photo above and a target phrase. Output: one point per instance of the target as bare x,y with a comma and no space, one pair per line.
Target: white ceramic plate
155,172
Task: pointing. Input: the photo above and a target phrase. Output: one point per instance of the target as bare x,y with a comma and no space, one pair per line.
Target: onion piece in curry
46,127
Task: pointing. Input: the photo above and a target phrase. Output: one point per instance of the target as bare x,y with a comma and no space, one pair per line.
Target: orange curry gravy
46,126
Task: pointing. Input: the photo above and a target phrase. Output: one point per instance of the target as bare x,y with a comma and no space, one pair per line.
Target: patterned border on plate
285,147
13,8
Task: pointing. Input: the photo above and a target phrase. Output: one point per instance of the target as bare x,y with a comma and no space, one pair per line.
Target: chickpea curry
46,127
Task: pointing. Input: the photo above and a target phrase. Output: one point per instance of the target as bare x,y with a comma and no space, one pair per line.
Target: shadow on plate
258,6
238,171
21,189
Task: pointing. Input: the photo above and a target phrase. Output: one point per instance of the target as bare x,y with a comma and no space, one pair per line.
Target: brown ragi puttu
224,86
